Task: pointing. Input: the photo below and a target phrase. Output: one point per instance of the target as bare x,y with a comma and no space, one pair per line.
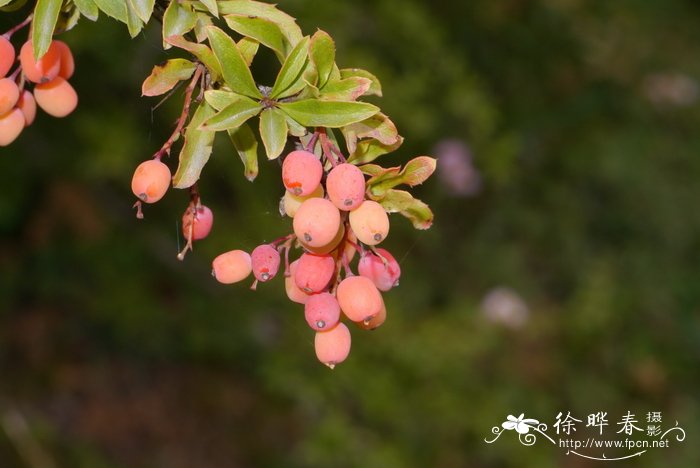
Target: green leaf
417,170
201,51
322,51
235,71
273,131
212,6
143,8
246,145
369,150
379,127
88,9
164,77
196,150
348,89
45,18
114,8
286,23
133,22
289,79
218,98
332,114
233,115
264,31
204,20
399,201
5,2
178,20
295,128
248,47
375,88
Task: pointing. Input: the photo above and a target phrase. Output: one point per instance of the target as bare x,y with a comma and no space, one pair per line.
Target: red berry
7,56
346,186
266,262
301,172
384,270
198,224
322,311
314,272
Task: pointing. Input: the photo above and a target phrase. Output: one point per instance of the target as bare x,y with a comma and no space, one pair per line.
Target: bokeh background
562,272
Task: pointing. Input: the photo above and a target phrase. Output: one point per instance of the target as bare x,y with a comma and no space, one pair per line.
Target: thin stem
286,238
191,212
326,146
312,142
8,34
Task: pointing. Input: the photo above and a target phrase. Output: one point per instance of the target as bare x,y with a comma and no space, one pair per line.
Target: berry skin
9,94
346,186
322,311
375,321
231,267
43,70
359,298
316,222
314,272
369,222
7,56
293,292
266,262
11,125
290,203
27,104
301,172
333,346
384,275
151,180
66,59
328,248
199,225
56,98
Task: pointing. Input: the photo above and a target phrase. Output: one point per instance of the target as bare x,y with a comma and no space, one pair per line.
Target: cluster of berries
52,92
332,223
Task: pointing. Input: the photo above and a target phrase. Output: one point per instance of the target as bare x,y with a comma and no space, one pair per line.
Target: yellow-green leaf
212,6
235,71
273,131
218,98
248,47
379,127
264,31
178,20
201,51
233,115
331,114
246,145
348,89
286,23
369,150
289,80
87,8
114,8
375,88
143,8
417,170
133,22
322,51
196,150
45,18
164,77
399,201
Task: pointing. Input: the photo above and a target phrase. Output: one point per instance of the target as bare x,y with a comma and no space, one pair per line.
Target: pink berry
151,180
301,172
384,272
322,311
11,125
316,222
231,267
43,70
266,262
9,95
56,97
346,186
27,105
333,346
375,321
66,60
198,224
7,56
359,298
314,272
293,292
369,222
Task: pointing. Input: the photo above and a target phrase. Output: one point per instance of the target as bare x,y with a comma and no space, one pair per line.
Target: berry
199,224
384,272
375,321
293,292
11,125
27,104
151,180
333,346
7,56
231,267
9,94
346,186
290,203
331,246
359,298
266,262
66,59
301,172
314,272
43,70
56,98
369,222
316,222
322,311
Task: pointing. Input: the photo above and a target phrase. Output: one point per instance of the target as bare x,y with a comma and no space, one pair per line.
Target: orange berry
56,98
346,186
333,346
151,180
294,293
232,267
291,203
7,56
11,125
9,94
27,104
316,222
369,222
67,62
43,70
375,321
359,298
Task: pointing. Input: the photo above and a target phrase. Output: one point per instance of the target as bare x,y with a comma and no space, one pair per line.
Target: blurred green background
562,272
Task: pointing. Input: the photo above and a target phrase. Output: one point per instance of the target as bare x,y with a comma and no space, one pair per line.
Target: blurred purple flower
456,170
505,307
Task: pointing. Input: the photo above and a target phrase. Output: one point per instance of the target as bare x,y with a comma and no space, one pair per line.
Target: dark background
562,272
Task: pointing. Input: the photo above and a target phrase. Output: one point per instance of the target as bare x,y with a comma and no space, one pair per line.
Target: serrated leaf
400,201
246,145
114,8
375,88
178,20
201,51
290,76
273,131
264,31
233,115
331,114
45,18
143,8
235,71
348,89
133,22
164,77
88,9
369,150
286,23
212,6
418,170
322,52
248,47
218,98
379,126
196,150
